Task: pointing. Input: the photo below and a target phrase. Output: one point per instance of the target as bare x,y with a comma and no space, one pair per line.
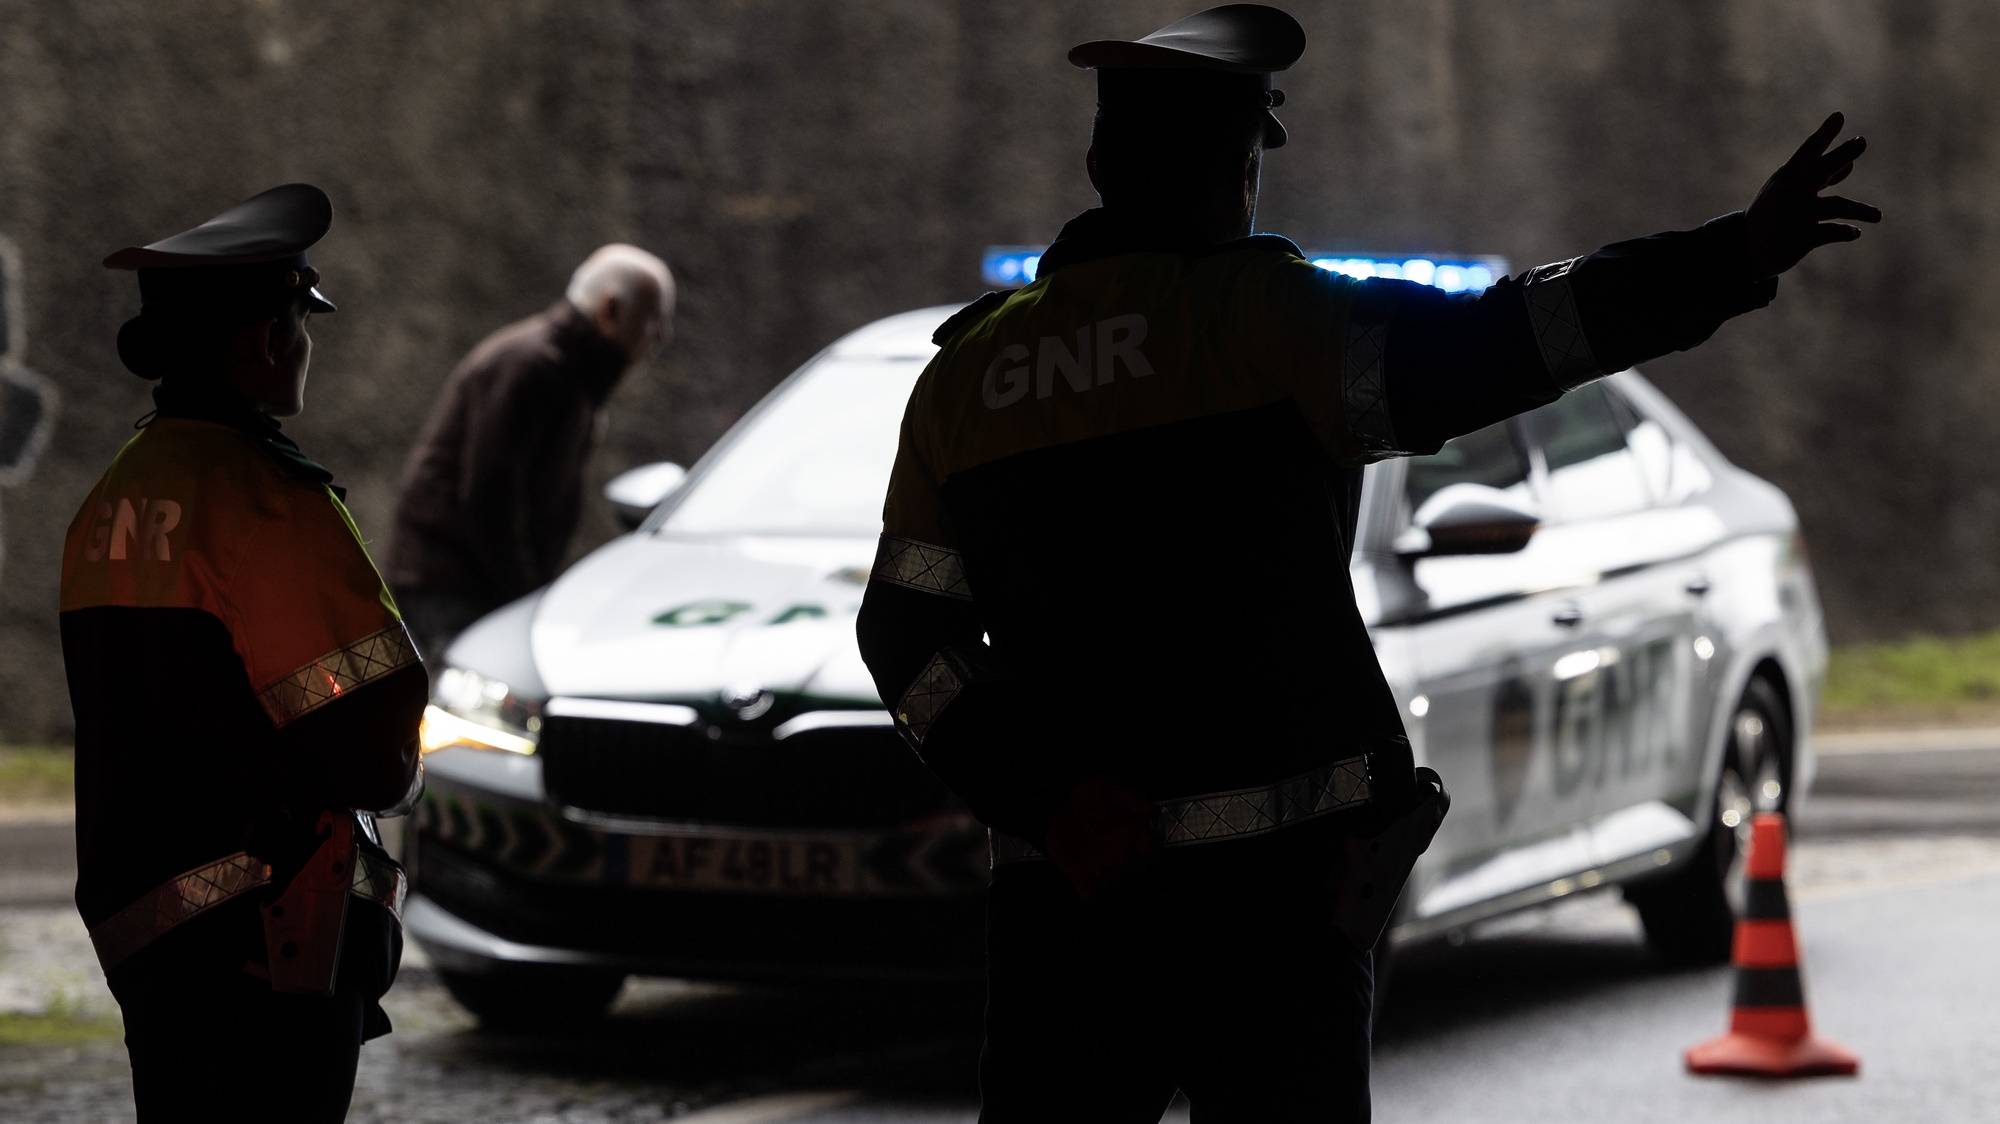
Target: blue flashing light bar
1010,267
1454,273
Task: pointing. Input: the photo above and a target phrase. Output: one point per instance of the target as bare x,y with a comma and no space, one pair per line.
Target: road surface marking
1878,884
1964,739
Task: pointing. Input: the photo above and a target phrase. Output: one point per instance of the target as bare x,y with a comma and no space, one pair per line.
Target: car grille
833,778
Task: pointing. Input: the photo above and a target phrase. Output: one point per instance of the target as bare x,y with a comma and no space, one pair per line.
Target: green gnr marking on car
698,613
701,613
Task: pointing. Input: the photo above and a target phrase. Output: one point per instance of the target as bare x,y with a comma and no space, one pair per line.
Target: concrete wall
806,167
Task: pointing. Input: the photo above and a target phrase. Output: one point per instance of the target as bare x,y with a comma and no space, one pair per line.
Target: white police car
672,761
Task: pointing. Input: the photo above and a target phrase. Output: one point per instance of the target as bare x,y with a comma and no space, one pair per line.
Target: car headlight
471,710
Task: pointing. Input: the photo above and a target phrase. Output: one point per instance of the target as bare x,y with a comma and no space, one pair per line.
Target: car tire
1690,915
534,997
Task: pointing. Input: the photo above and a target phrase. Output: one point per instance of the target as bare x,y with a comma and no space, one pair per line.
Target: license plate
745,865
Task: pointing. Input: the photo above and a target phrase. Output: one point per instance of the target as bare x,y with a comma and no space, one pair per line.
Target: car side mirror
635,492
1468,519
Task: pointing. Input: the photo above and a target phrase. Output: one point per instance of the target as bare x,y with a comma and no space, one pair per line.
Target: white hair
619,272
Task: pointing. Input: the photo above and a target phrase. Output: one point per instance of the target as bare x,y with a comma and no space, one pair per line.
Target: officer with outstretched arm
1111,605
245,695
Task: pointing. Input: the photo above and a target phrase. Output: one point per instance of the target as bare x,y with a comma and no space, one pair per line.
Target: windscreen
814,461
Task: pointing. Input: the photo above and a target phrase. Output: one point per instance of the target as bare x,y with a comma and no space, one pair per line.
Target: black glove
1790,218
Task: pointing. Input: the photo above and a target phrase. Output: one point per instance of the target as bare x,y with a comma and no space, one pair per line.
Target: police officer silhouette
1111,608
245,695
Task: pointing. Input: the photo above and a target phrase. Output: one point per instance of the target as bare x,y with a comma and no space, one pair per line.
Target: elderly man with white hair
491,493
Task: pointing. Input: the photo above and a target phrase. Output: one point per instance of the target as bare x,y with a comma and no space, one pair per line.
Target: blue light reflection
1010,267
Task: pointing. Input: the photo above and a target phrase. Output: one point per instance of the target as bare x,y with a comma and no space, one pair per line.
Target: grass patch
37,774
64,1022
1929,679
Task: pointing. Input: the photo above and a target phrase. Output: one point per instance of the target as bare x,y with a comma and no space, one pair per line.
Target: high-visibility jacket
236,665
1117,532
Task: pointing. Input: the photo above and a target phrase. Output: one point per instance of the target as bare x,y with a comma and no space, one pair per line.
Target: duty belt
1217,817
181,899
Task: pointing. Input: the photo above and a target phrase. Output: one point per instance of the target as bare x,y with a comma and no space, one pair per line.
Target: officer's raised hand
1790,218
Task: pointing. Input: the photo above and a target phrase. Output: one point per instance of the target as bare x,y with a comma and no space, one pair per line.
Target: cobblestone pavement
674,1050
668,1050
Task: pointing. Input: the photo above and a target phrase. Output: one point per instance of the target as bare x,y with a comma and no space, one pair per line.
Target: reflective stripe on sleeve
1364,392
921,566
178,899
334,674
935,686
1558,330
152,915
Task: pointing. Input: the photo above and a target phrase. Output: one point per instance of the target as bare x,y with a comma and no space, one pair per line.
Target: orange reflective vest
236,664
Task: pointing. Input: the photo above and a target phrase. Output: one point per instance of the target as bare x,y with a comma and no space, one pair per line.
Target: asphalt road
1555,1014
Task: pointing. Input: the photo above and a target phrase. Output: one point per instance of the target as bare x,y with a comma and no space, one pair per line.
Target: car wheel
534,997
1690,916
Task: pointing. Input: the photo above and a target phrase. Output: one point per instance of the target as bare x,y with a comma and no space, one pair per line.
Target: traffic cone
1768,1033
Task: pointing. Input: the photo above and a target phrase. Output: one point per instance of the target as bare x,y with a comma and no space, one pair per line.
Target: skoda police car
672,761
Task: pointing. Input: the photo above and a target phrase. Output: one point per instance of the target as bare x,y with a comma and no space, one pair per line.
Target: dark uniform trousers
228,1048
1218,971
210,1041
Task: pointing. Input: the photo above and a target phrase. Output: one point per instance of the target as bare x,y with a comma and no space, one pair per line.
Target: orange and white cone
1768,1032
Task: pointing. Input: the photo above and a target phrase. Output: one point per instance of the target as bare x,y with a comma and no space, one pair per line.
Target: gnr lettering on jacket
127,525
1099,349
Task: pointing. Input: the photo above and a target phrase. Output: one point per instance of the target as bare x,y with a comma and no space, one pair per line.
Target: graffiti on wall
27,400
